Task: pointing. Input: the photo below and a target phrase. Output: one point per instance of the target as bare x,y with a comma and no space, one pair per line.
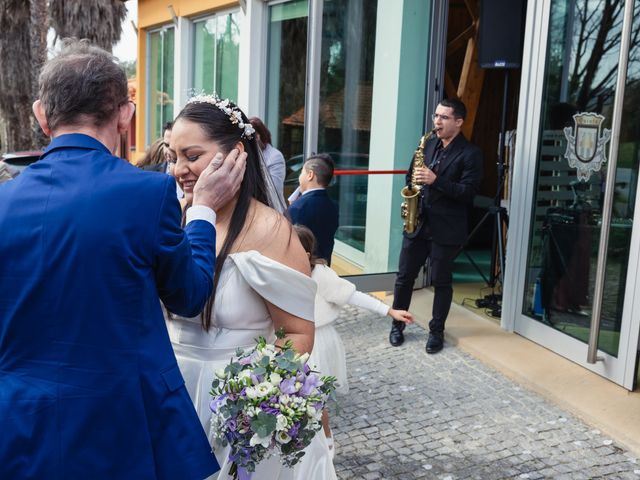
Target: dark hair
82,83
459,110
308,241
218,128
154,155
261,128
167,126
322,165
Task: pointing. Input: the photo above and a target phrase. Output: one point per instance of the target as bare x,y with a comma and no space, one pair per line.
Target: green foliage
129,67
263,424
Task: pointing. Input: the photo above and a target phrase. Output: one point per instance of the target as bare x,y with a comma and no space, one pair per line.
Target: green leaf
233,368
264,362
263,424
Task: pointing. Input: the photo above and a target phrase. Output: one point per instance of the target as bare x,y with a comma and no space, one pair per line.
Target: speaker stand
500,219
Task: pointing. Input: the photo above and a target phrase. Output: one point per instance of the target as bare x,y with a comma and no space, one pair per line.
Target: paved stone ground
447,416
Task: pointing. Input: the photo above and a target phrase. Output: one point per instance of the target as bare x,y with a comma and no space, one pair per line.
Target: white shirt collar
312,190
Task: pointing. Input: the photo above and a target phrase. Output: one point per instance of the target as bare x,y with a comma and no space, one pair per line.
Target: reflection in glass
581,72
215,55
346,86
286,75
160,78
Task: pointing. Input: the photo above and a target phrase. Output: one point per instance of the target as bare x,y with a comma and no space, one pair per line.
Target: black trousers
413,255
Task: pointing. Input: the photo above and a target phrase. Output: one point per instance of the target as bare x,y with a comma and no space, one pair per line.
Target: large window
346,93
287,67
216,47
345,64
160,58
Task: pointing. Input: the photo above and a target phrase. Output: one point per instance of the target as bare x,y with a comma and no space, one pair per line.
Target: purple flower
293,431
288,386
244,360
216,403
231,424
307,368
310,383
264,406
230,436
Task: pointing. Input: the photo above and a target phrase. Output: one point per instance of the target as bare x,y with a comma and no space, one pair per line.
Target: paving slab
449,416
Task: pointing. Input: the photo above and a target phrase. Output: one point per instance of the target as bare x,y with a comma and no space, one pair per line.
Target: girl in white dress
328,353
261,280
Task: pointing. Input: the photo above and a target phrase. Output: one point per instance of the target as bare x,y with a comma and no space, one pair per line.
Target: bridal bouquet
266,402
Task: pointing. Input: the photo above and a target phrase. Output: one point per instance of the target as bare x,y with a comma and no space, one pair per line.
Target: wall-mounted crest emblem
585,144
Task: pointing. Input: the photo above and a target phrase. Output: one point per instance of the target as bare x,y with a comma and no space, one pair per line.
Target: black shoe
435,342
396,337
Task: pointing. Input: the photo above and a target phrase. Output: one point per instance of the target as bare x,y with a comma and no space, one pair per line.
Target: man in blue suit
313,208
89,385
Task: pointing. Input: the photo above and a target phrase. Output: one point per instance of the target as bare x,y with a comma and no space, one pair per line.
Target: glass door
286,82
581,80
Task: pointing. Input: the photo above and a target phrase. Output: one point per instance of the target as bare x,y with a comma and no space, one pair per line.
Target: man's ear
41,117
125,114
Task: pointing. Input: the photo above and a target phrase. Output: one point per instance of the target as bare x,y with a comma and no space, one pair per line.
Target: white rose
304,357
244,375
252,392
263,389
281,422
256,440
282,437
275,379
220,374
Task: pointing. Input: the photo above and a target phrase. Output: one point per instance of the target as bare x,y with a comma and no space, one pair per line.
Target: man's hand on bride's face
220,181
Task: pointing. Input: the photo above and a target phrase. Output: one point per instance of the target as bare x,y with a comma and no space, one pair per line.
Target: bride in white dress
261,281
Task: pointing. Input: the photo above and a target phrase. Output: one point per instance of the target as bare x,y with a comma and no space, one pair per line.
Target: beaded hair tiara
231,111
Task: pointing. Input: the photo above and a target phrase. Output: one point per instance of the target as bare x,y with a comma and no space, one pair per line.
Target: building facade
360,79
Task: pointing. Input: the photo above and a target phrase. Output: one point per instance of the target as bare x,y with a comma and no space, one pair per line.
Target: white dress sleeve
278,284
360,299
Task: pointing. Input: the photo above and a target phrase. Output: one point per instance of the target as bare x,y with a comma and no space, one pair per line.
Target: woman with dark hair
273,158
261,281
154,159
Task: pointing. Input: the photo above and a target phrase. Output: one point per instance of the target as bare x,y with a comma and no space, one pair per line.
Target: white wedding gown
240,315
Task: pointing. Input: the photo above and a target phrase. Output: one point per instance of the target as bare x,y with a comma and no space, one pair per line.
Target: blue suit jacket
319,213
89,385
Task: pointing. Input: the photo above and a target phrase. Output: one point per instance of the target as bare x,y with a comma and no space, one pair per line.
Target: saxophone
411,192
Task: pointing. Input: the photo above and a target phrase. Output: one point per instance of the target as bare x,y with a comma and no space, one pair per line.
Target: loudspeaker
501,33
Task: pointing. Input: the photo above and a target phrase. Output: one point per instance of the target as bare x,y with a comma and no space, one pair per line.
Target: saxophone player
448,181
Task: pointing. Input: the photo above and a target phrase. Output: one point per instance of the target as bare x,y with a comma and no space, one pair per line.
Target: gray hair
82,83
322,165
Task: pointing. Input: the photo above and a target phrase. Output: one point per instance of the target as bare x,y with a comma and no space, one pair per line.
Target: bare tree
23,46
100,21
597,43
39,20
17,79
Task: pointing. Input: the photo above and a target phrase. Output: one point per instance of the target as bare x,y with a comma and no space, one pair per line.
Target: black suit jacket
446,202
319,213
